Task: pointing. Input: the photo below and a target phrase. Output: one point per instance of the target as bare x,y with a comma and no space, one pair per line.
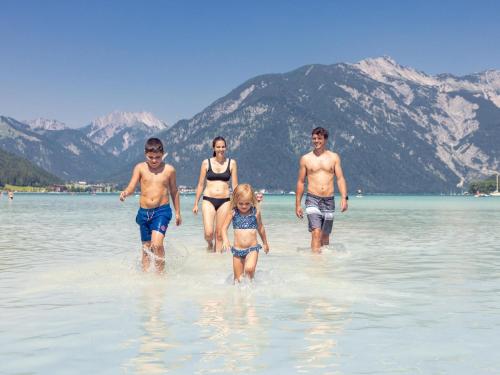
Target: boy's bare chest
150,178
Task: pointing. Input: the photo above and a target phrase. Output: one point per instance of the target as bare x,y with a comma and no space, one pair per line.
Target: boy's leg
158,250
146,248
208,212
238,268
251,263
219,220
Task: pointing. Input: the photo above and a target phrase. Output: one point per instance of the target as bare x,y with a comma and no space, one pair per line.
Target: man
320,166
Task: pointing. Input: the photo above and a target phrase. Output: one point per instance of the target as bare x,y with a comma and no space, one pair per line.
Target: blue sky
77,60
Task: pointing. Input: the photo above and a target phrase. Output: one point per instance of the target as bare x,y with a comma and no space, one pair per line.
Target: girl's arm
136,176
262,232
234,174
199,188
226,245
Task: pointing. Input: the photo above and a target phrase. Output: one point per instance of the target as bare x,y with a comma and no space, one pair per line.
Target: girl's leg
251,263
238,268
158,250
208,211
146,247
219,220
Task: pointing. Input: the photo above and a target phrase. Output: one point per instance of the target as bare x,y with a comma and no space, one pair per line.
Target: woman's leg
208,211
219,220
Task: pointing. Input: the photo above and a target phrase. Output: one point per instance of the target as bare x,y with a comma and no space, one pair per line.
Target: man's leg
316,240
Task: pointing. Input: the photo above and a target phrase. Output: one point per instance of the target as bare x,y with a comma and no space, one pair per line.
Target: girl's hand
226,245
266,248
195,209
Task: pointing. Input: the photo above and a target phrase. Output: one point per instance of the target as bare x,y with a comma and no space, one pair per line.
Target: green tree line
484,186
18,171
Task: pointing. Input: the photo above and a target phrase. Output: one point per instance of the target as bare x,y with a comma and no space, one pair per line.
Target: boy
157,180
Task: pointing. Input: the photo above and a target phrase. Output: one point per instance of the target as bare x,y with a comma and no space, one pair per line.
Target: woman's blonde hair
243,191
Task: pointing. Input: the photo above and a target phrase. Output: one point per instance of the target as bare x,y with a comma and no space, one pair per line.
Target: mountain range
396,129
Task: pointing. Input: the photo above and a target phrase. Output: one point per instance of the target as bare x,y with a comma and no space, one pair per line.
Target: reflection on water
408,285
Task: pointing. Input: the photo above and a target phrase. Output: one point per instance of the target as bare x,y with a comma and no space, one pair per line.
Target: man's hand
123,195
299,212
343,205
178,219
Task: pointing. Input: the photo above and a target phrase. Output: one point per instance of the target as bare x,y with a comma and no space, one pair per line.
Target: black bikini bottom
216,202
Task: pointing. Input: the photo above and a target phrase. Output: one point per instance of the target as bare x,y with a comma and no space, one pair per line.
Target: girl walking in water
247,221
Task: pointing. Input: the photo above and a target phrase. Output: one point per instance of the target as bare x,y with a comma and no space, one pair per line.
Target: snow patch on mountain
45,124
102,129
382,69
72,148
231,105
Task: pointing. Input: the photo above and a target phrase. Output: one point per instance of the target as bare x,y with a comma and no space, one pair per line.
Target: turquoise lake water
409,285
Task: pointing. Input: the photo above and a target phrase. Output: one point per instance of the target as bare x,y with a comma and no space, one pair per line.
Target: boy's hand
195,209
178,220
266,248
123,195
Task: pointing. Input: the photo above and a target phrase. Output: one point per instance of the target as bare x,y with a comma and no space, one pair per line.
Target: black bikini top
224,176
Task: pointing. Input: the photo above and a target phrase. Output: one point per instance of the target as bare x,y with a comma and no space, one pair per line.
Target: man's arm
341,183
299,192
174,193
136,176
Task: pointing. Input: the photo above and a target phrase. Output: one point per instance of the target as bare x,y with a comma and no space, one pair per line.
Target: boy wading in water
320,166
157,180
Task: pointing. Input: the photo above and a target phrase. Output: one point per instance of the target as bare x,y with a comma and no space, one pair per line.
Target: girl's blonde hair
243,191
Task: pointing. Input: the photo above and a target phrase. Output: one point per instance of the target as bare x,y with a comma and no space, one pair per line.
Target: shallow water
409,285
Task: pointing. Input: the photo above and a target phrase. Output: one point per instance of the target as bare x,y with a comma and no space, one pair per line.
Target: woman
217,171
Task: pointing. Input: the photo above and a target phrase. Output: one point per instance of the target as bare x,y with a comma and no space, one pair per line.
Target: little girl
246,223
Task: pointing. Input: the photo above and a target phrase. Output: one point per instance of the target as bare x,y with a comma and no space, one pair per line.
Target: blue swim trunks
150,219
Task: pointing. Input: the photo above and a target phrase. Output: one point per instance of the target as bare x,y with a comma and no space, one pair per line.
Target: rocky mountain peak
46,124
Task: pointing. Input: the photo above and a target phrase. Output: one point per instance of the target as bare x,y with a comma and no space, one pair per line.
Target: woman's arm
234,174
201,185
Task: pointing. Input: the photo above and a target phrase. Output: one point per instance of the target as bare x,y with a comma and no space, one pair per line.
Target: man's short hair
320,131
153,145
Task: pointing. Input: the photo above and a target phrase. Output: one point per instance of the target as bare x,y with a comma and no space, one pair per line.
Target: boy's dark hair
320,131
153,145
218,138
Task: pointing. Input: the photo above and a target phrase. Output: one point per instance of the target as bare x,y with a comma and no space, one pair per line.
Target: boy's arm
342,185
299,192
262,232
174,193
225,225
199,188
136,176
234,175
